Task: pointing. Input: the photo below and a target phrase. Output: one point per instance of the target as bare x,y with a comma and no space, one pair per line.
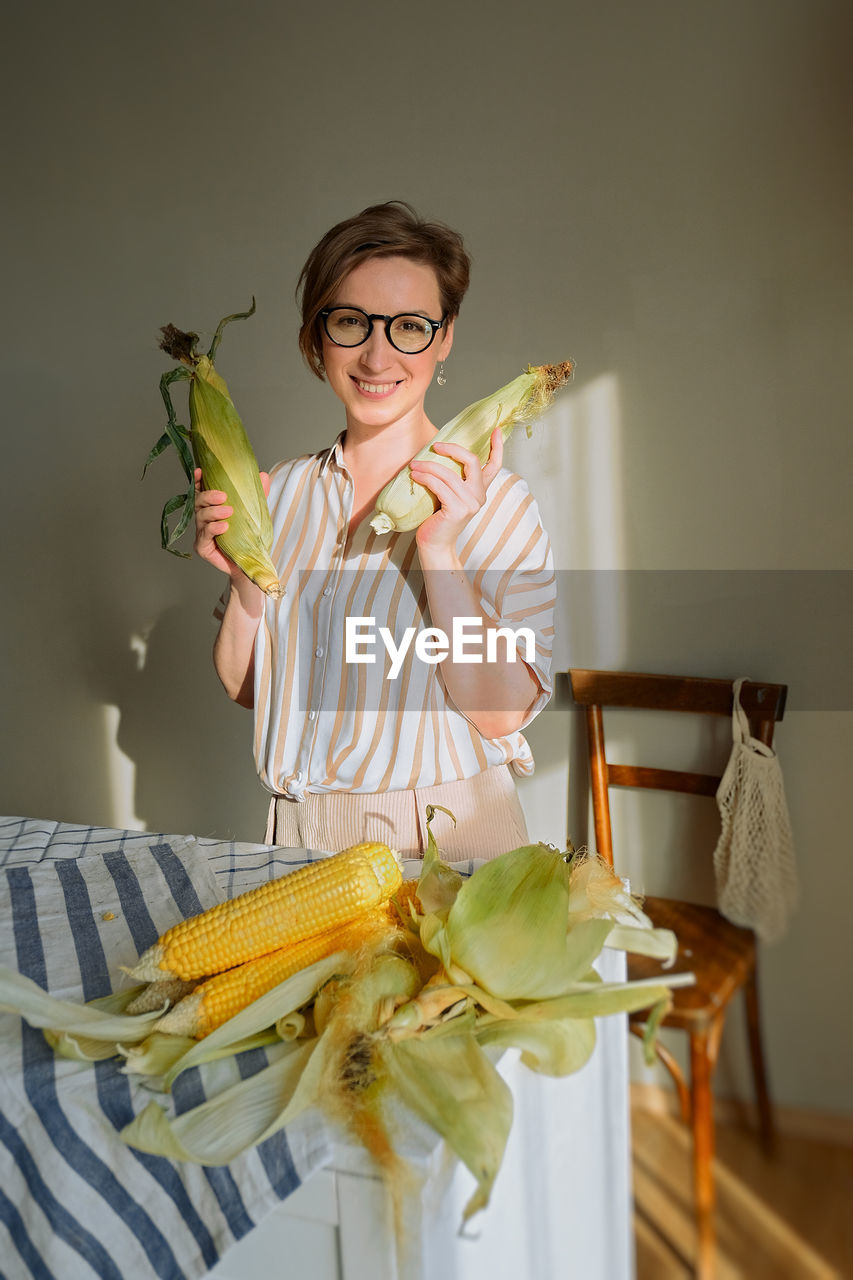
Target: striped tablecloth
75,1201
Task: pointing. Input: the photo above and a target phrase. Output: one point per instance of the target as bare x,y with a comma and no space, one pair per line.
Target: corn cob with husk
277,914
216,442
403,504
215,1001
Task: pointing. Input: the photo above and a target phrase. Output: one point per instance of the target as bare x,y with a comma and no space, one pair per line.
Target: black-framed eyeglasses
350,327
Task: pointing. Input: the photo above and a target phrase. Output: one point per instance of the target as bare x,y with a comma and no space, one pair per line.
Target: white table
561,1206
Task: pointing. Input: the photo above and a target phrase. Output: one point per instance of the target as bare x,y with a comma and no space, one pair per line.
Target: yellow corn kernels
284,911
220,997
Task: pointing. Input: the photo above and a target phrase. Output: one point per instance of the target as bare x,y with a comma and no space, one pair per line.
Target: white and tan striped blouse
325,724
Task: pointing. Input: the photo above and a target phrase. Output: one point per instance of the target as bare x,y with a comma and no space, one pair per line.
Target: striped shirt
323,723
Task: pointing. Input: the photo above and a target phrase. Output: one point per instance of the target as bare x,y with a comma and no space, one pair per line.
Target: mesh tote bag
754,859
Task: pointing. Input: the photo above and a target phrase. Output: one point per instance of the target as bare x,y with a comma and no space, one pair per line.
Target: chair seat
720,954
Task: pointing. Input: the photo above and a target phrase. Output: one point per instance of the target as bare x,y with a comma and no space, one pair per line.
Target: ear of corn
216,442
227,462
220,997
403,505
278,914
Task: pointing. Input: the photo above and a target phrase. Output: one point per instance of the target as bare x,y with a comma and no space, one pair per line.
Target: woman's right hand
211,518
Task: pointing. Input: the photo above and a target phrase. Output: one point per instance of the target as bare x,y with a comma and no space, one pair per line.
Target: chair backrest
764,705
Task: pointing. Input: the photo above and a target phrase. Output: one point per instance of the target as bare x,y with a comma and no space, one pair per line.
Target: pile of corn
363,988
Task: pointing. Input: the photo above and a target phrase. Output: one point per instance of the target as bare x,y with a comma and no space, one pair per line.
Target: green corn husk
450,1083
403,505
507,928
98,1023
216,442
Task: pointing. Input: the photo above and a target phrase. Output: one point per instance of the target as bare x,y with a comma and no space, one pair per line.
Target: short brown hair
387,230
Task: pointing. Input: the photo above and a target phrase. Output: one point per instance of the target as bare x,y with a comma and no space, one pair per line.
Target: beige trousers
489,818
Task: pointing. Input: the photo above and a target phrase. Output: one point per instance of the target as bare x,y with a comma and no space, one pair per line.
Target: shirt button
318,652
327,591
312,715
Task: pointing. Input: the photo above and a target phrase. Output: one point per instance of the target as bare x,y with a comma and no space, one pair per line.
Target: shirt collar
333,454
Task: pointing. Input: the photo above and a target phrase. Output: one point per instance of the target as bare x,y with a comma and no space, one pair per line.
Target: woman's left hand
460,496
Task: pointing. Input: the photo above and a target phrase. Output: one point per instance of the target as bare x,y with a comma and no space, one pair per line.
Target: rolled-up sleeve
509,554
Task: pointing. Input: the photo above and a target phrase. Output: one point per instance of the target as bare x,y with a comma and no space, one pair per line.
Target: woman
352,743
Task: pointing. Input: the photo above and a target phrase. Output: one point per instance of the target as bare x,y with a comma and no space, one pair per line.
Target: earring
440,378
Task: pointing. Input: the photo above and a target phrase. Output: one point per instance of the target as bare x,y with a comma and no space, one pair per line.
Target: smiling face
378,385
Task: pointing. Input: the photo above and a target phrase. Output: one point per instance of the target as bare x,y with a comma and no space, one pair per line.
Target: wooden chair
720,954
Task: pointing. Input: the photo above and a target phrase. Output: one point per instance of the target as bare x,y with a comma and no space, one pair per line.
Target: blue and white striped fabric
75,1201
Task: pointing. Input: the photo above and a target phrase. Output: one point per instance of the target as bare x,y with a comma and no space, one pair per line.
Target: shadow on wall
189,746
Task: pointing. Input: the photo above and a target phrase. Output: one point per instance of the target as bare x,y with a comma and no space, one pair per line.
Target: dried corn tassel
216,442
403,505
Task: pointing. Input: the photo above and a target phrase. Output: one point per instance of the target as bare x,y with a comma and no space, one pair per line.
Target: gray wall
660,190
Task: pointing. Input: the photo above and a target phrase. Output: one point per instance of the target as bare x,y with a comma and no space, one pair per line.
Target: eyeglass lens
349,327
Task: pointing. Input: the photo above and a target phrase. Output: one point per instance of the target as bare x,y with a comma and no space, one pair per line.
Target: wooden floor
785,1218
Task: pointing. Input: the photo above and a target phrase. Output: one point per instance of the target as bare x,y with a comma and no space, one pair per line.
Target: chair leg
759,1071
701,1066
673,1067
